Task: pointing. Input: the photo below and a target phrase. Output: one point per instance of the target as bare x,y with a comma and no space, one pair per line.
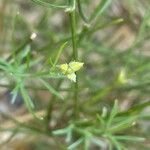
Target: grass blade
102,6
130,138
75,144
59,53
28,102
49,5
113,113
128,122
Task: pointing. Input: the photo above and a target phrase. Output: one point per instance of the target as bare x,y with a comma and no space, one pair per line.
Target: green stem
84,18
30,87
20,125
73,34
50,106
72,16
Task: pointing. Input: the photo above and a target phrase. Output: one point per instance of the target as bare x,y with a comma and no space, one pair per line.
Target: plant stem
30,87
50,106
72,17
84,18
73,34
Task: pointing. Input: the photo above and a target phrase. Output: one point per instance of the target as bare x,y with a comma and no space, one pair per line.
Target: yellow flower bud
70,69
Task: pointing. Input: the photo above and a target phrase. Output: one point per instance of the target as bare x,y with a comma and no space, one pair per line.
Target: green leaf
101,120
59,53
27,100
69,136
4,65
14,93
135,109
75,144
51,89
130,138
46,74
49,5
60,131
99,143
3,68
115,142
81,12
101,7
3,62
126,123
24,53
113,113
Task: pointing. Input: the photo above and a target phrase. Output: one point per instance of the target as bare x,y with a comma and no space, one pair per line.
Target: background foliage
108,106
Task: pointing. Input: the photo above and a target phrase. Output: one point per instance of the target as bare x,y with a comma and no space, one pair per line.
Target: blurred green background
114,48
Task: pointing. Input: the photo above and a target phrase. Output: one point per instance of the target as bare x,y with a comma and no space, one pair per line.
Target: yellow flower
72,77
70,69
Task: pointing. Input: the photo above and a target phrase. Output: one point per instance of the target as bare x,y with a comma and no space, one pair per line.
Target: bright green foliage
103,47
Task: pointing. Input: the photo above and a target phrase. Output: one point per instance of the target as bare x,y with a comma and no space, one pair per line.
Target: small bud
122,77
33,36
134,123
70,69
